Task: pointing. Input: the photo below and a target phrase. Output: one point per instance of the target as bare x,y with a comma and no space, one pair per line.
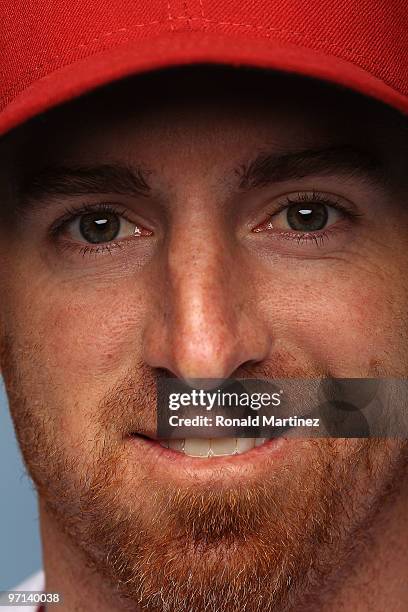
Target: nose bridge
202,302
203,325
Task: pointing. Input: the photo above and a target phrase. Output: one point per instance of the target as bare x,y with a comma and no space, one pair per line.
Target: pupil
307,217
96,227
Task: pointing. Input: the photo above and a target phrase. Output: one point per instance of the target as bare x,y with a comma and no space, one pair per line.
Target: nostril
165,373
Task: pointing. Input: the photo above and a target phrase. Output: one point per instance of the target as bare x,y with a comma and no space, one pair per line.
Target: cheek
70,347
343,328
348,323
80,338
95,335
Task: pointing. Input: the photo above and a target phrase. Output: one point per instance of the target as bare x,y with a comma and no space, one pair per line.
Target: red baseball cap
53,51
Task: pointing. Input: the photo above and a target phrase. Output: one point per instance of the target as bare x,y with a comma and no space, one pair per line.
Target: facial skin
214,283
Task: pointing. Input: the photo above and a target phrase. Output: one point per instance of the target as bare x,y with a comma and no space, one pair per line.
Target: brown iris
99,227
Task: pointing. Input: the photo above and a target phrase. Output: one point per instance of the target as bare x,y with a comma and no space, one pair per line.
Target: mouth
205,453
194,460
213,447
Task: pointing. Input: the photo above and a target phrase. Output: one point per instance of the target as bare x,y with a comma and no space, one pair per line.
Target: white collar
36,582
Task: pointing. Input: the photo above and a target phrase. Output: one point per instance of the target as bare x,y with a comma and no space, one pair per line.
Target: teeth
245,444
177,445
214,447
196,447
259,441
223,446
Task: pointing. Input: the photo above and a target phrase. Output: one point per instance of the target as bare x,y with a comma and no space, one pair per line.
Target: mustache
131,404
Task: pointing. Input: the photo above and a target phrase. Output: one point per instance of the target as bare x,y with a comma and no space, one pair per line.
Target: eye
306,217
307,214
101,226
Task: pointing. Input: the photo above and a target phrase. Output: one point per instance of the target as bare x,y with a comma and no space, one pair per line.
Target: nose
204,322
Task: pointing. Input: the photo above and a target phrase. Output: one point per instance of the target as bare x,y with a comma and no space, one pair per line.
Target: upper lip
147,433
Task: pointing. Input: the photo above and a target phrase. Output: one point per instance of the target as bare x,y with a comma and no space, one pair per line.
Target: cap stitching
171,19
224,23
186,15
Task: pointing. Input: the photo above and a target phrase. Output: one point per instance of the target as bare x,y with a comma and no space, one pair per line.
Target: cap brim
184,48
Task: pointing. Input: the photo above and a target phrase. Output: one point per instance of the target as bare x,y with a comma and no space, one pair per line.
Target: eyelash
320,236
72,213
315,196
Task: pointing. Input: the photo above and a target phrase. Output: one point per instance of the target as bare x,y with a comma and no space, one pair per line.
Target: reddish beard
266,544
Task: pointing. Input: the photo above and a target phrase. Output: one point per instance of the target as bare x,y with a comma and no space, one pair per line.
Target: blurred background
20,553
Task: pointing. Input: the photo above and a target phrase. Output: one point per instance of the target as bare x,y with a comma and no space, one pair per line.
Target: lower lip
273,449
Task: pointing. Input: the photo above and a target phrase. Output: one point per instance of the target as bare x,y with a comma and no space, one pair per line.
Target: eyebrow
341,160
56,180
53,181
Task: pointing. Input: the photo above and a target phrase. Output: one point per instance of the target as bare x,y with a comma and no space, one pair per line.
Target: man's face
154,231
